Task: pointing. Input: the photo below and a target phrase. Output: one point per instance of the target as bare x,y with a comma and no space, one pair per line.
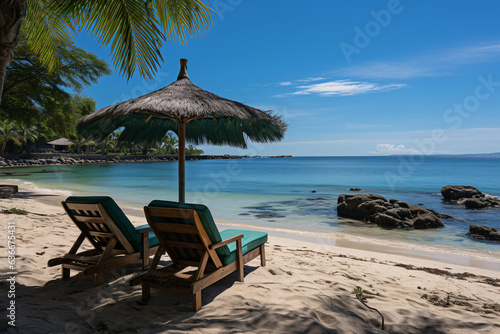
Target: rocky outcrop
483,232
471,197
476,203
25,161
454,193
57,159
389,214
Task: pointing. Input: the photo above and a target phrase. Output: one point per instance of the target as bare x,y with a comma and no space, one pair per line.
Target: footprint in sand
274,272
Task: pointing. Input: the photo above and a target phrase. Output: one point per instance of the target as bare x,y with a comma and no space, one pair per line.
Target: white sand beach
304,288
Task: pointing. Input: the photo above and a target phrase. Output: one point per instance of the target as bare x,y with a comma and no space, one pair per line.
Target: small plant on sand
362,298
15,211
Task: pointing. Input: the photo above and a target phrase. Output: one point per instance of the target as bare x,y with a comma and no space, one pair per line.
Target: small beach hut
60,144
195,115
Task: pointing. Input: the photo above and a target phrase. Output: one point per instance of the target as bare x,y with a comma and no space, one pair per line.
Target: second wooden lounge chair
188,234
115,240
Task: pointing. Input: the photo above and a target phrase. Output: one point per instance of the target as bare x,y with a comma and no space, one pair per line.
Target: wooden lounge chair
188,234
115,240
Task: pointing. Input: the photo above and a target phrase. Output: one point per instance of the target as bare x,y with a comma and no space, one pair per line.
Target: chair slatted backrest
97,226
181,235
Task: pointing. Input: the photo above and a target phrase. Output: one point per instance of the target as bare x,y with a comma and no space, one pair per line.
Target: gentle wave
34,187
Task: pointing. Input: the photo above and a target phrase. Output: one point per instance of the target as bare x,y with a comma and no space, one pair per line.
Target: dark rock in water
481,203
427,220
313,191
476,203
470,196
418,210
8,190
316,199
388,214
483,232
54,171
401,204
441,215
458,192
350,206
388,221
355,189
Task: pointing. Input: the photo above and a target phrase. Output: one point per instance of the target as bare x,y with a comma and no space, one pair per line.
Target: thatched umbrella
191,112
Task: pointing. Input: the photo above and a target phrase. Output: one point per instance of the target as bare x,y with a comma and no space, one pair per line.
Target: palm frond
45,29
134,29
180,17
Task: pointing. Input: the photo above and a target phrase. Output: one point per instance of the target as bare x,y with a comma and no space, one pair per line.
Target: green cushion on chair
153,240
227,253
121,221
205,217
251,240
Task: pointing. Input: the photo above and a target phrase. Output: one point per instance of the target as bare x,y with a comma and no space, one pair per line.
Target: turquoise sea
299,193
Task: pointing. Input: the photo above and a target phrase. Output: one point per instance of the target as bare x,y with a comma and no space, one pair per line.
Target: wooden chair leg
145,251
197,301
262,256
65,273
146,292
239,254
99,279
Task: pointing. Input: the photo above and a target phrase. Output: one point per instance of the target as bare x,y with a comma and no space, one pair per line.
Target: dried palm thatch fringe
210,119
192,113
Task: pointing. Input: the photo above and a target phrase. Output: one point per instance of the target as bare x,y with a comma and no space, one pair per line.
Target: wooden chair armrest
227,241
144,230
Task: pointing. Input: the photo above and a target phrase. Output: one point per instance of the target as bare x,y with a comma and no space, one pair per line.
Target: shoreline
438,254
304,288
61,159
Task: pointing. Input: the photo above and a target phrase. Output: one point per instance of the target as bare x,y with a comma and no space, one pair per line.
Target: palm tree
27,134
79,141
108,143
134,29
191,150
8,132
169,143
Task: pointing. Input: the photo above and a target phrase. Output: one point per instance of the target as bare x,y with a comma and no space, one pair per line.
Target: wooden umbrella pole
182,161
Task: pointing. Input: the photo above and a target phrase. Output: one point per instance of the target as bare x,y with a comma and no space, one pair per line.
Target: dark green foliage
33,95
191,150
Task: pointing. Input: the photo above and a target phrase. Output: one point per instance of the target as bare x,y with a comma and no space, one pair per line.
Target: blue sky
350,77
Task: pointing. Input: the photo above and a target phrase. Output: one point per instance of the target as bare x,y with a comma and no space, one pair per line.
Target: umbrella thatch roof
209,118
61,142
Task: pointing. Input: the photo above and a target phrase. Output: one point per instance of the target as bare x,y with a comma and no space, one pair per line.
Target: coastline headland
27,160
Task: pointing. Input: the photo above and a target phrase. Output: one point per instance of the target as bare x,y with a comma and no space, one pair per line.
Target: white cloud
393,149
345,88
310,79
392,70
438,64
295,82
474,54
